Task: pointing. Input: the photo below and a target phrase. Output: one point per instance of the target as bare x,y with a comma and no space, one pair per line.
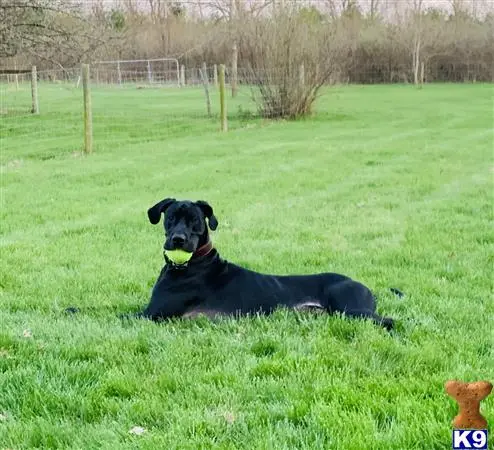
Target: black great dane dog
211,286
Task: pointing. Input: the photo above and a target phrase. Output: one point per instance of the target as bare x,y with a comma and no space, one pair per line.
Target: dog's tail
386,322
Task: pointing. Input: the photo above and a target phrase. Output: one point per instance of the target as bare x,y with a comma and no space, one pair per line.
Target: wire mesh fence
56,129
145,101
162,71
15,94
130,109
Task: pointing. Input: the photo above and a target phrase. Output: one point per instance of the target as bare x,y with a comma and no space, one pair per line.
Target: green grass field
388,184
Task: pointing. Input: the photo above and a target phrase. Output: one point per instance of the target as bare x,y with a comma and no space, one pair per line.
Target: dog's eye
197,227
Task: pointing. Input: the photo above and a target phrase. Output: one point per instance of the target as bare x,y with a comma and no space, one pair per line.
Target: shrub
287,61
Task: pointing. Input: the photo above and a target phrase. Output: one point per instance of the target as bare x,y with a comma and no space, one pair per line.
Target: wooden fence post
205,72
88,116
234,69
119,73
16,77
224,123
150,74
182,75
215,75
301,75
34,90
205,83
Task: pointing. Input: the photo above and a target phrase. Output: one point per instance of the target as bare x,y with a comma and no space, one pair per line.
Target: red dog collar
204,250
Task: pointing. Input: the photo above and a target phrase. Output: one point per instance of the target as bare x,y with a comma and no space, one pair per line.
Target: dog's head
185,223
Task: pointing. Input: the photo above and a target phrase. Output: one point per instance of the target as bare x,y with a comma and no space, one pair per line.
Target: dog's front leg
165,304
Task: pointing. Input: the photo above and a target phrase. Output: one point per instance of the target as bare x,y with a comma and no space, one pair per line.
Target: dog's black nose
178,240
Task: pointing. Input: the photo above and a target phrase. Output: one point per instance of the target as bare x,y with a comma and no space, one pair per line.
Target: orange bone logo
468,396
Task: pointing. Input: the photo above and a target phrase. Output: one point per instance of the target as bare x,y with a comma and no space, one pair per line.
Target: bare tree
229,9
374,8
338,7
46,29
416,20
222,9
457,6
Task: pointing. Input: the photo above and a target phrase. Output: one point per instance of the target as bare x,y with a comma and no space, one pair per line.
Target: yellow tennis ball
178,256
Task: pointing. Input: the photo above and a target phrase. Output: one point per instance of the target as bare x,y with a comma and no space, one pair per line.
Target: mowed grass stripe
211,167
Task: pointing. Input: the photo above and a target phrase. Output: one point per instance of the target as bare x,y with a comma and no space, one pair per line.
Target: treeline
452,46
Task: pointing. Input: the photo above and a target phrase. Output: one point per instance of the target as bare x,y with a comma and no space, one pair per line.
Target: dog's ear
208,212
154,213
